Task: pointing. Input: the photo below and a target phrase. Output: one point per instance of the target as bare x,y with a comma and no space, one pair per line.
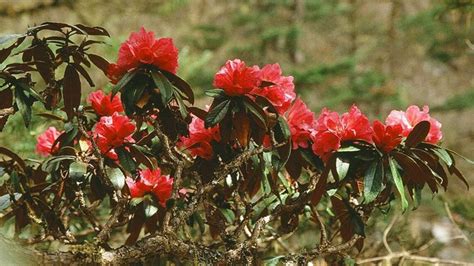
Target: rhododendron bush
215,184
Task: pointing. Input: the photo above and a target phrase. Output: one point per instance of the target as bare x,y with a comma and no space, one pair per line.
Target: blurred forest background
380,54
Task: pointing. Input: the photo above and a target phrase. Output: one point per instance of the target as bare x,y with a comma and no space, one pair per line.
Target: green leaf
397,179
266,188
125,159
417,198
123,81
9,37
116,177
341,168
348,149
150,210
444,155
214,93
5,200
165,86
274,261
77,169
373,181
71,133
182,107
217,113
348,261
136,201
228,214
15,179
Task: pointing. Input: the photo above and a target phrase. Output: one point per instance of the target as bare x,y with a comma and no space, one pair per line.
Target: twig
104,234
451,218
6,111
324,236
387,231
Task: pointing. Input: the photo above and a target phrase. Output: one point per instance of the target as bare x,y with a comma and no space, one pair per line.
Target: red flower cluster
281,93
235,78
386,138
151,181
111,132
301,122
409,119
104,104
45,141
331,129
143,48
199,141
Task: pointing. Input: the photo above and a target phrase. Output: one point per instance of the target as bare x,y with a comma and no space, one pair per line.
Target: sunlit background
379,54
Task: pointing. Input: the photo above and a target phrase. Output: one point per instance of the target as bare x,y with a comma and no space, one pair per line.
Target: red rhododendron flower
199,141
386,138
332,129
103,104
143,48
46,140
409,119
111,132
151,181
301,122
282,93
235,78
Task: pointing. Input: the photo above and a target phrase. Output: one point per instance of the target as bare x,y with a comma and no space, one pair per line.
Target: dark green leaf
123,81
15,179
285,129
418,134
182,85
165,87
99,62
131,94
24,105
182,107
52,164
71,90
256,112
125,159
373,181
217,113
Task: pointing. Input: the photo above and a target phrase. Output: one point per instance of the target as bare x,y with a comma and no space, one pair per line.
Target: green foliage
441,29
458,102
